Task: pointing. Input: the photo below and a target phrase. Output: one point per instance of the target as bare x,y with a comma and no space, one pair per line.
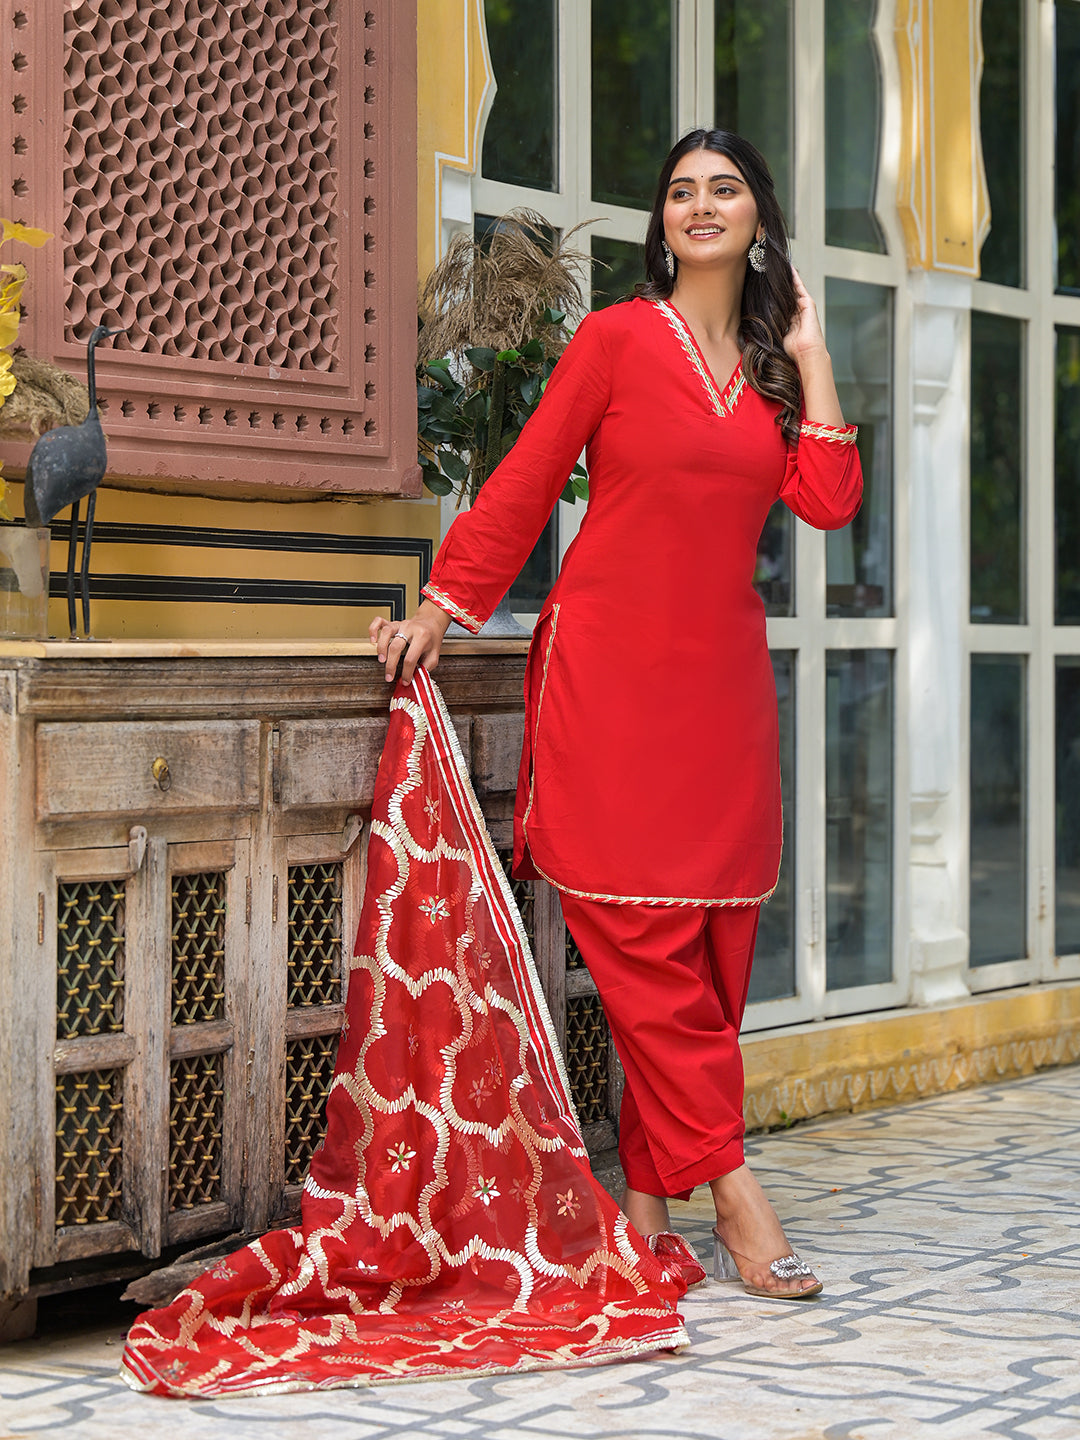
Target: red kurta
650,772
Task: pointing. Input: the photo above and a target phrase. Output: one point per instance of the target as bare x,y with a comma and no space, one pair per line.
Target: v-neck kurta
650,770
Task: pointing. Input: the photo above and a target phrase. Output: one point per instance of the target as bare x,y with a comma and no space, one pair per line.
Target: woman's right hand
412,642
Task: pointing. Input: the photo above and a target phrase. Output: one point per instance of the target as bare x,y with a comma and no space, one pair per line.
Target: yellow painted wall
941,189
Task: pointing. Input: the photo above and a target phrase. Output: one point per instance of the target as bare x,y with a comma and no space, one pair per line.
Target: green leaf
579,469
424,396
453,465
482,356
580,485
508,357
568,493
534,350
438,372
476,406
438,484
552,316
530,389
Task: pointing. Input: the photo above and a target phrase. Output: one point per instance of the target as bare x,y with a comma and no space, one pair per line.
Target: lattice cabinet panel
587,1059
89,1146
315,893
198,947
309,1069
90,957
196,1124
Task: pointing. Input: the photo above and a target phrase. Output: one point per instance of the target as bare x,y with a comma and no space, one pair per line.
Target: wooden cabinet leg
18,1319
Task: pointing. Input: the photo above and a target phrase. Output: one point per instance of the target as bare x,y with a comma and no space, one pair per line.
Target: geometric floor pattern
948,1236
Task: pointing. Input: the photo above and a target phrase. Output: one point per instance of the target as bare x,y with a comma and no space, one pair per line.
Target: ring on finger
399,636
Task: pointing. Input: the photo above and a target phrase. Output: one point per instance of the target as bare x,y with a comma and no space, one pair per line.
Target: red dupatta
450,1222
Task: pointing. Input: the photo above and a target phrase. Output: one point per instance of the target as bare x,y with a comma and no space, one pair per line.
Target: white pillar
937,591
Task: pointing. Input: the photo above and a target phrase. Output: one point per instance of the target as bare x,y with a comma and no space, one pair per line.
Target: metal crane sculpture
66,464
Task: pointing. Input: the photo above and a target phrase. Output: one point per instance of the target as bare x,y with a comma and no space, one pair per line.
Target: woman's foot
748,1229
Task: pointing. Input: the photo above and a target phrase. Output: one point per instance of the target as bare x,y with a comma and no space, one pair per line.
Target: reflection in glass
520,141
1067,475
852,125
772,577
620,264
773,975
859,557
859,817
633,120
1001,113
1067,145
997,414
1067,781
531,588
998,924
753,83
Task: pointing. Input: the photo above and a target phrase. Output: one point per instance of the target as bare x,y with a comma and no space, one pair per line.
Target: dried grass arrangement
493,324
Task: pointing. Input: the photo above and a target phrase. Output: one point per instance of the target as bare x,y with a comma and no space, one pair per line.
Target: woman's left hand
804,338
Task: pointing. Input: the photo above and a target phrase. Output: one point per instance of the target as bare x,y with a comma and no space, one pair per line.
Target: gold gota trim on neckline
723,402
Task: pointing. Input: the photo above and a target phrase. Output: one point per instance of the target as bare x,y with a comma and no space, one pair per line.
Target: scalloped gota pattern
200,182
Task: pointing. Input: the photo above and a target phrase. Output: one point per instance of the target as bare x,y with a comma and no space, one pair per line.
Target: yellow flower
7,379
26,233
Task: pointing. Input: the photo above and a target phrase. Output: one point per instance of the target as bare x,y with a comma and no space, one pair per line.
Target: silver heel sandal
788,1267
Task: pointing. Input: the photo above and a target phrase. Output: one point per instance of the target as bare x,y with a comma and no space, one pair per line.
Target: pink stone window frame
207,425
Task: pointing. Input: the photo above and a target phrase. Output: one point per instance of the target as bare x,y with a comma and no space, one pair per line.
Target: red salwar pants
673,983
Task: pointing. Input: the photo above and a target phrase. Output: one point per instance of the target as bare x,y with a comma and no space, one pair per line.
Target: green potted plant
494,315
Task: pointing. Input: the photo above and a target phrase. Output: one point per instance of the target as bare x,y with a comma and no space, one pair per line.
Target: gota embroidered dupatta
450,1222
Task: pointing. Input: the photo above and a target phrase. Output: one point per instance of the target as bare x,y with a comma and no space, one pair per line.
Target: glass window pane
998,924
633,123
859,557
1001,113
754,83
620,264
531,588
1067,919
1067,475
997,430
772,578
1067,147
773,975
520,140
852,125
859,817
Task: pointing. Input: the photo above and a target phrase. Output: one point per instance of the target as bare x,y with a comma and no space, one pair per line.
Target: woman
649,792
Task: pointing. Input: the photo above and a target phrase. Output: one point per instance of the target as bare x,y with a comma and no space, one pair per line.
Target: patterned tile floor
948,1235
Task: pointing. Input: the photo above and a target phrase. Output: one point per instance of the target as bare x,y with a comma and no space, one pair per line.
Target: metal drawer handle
160,771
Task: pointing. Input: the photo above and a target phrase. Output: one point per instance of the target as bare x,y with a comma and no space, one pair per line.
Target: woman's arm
487,545
823,483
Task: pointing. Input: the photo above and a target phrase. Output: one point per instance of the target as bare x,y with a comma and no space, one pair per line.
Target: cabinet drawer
334,762
110,767
328,762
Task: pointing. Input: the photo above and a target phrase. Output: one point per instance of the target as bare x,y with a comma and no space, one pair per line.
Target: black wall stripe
166,588
317,542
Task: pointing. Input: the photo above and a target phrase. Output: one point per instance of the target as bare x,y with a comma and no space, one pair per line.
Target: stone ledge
856,1064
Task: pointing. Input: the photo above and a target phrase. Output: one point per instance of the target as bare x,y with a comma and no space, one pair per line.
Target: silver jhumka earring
669,258
756,255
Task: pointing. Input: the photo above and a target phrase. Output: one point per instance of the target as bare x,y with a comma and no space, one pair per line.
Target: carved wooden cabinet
181,871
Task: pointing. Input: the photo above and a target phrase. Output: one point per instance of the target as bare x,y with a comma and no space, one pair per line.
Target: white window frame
1038,639
808,633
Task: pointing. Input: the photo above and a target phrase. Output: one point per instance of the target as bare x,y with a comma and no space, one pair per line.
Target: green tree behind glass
632,111
1002,127
753,83
519,140
996,467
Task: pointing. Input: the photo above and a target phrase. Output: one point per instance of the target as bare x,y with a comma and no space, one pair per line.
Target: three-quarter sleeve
488,544
823,482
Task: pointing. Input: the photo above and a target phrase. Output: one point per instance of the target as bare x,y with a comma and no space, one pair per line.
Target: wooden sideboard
182,854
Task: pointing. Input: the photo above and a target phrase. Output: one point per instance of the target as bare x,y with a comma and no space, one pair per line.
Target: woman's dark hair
768,301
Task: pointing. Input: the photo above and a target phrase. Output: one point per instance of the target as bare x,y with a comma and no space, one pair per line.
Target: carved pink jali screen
235,185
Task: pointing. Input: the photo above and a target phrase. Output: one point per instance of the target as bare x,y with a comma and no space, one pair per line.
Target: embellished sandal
788,1267
677,1258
